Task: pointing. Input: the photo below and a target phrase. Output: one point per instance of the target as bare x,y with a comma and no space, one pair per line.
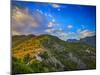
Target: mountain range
89,40
47,53
72,40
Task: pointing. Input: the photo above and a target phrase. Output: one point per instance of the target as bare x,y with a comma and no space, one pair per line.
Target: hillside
46,53
90,40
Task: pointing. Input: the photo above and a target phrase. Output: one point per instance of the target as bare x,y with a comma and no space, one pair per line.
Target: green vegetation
19,68
46,53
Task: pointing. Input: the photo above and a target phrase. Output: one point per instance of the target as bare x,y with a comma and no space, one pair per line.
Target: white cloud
15,33
61,34
86,33
56,5
23,22
50,24
39,11
65,35
49,30
50,15
69,26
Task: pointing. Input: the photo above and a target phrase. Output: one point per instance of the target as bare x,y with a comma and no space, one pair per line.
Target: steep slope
46,53
17,39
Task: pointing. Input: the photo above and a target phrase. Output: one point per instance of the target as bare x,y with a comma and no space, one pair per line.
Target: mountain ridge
53,53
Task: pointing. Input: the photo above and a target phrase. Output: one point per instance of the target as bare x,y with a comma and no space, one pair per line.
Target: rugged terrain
46,53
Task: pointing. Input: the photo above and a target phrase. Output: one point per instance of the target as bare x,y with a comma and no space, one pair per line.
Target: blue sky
65,21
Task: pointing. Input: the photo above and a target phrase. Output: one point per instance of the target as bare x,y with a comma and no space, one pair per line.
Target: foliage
56,54
19,67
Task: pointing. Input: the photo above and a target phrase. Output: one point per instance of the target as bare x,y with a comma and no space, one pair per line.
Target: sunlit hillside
46,53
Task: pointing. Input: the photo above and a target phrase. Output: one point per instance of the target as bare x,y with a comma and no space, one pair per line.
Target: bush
20,68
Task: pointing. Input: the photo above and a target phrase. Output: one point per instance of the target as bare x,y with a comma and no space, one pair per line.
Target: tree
27,58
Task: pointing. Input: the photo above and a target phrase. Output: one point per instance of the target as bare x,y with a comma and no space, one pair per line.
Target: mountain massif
46,53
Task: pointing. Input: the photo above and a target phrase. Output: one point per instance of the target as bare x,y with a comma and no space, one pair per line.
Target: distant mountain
72,40
46,53
89,40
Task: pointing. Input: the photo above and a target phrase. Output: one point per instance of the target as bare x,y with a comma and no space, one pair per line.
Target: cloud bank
23,22
86,33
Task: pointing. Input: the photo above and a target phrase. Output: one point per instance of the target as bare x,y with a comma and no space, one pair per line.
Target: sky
66,21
